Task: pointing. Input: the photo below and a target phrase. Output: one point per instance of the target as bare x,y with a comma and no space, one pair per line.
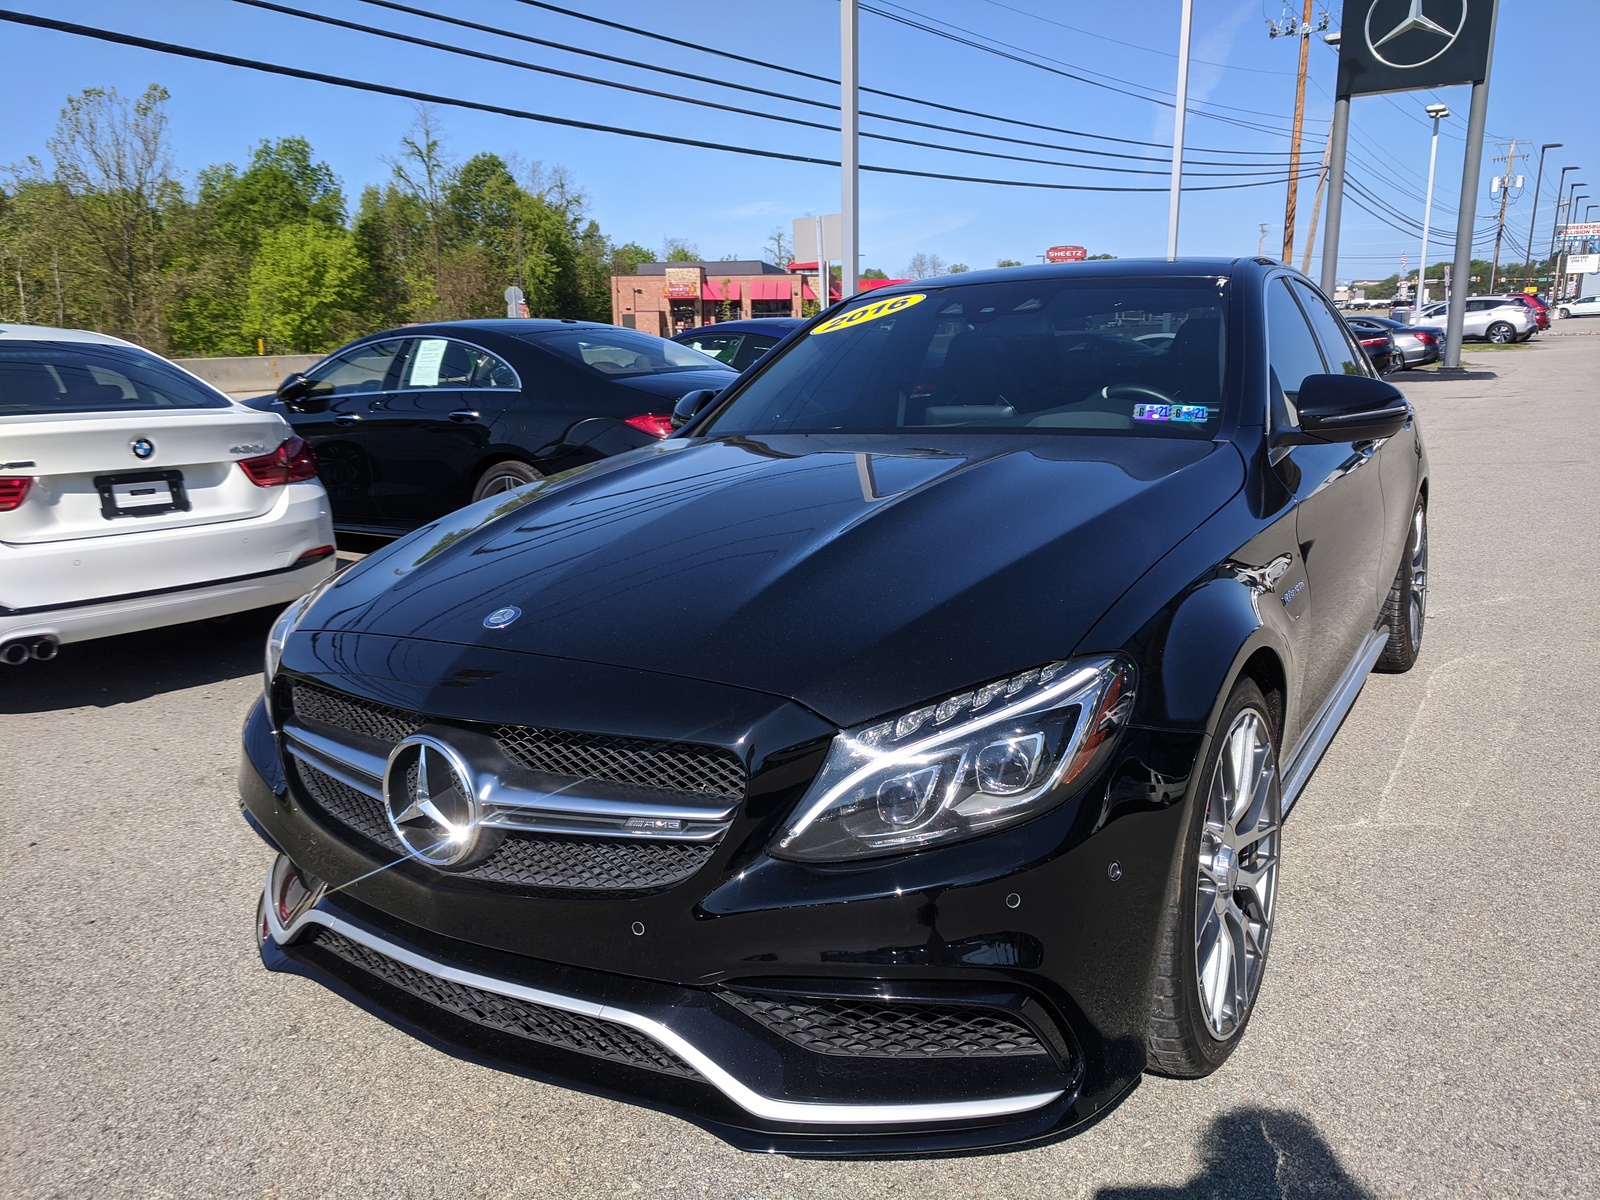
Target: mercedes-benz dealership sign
1400,45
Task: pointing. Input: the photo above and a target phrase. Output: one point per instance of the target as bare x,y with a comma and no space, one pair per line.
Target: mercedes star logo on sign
142,447
1415,38
427,792
1402,45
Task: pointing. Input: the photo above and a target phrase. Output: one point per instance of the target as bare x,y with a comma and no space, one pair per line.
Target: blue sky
1242,91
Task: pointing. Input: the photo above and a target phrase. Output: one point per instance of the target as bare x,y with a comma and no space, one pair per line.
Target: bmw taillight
13,491
292,462
655,424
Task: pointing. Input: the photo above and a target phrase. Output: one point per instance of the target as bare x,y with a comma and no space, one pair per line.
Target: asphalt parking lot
1429,1025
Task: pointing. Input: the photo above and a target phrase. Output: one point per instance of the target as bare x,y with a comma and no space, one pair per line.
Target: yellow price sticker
869,312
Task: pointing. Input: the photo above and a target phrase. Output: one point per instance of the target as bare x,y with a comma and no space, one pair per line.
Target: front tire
1500,333
1219,918
505,477
1563,312
1406,609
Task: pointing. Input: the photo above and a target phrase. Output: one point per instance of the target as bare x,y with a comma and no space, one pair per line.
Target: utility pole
1316,207
1504,184
1261,242
1288,28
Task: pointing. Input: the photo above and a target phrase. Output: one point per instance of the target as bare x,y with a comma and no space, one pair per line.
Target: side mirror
690,405
1347,408
293,391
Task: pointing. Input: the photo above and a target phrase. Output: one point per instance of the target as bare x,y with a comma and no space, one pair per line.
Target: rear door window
456,366
41,378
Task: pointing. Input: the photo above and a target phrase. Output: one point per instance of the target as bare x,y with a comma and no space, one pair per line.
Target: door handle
464,415
347,419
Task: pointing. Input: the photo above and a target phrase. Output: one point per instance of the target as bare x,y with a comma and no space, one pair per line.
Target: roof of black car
1110,268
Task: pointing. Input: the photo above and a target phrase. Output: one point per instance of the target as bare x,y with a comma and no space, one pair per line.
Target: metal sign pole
849,132
1177,129
1467,211
1338,139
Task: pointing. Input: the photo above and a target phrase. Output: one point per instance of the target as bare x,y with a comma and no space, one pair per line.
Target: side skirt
1334,709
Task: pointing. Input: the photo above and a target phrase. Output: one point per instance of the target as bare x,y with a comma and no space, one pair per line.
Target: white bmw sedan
133,495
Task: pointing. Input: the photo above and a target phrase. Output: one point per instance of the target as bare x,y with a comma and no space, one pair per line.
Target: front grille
529,860
632,762
520,1018
878,1029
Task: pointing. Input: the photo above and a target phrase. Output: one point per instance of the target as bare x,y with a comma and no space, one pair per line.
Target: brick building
667,297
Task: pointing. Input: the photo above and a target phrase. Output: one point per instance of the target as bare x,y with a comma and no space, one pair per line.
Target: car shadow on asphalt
1252,1152
136,666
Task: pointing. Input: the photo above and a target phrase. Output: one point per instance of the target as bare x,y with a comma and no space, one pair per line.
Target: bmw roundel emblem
501,617
142,447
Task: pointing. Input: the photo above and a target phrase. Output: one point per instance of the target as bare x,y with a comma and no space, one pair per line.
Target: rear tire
1563,312
1219,915
505,477
1500,333
1406,609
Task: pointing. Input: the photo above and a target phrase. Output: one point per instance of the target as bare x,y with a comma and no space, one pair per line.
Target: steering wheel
1140,392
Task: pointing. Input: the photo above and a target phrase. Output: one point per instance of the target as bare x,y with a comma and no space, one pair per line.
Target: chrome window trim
400,387
769,1108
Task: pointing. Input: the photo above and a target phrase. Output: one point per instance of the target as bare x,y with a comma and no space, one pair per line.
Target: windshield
623,351
1132,357
43,378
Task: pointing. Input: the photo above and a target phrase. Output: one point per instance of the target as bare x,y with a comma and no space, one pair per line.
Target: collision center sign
1066,254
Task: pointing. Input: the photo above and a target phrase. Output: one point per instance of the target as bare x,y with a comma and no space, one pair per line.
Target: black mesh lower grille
529,860
520,1018
876,1029
632,762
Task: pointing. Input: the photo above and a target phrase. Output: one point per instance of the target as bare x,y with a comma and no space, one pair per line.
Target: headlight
285,625
963,766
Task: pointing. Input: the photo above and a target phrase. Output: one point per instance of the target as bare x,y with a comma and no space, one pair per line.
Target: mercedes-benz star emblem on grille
427,792
1402,35
501,617
142,447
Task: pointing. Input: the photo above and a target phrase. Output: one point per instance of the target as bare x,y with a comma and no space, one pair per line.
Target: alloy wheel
1417,608
499,484
1500,333
1238,874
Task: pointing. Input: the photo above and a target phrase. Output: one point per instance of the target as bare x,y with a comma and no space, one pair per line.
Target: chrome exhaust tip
44,649
14,654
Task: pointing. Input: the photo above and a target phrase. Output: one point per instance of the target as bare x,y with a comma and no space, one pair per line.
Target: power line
485,56
231,60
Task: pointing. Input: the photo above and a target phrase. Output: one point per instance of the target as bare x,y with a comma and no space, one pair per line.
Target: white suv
133,494
1488,318
1583,306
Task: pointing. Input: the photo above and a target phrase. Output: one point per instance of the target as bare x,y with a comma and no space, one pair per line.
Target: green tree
305,288
1008,262
625,259
958,268
678,250
874,273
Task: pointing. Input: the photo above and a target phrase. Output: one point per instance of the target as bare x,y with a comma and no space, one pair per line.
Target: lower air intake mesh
876,1029
520,1018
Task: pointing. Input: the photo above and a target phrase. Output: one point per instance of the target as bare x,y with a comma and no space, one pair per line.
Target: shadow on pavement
1258,1152
136,666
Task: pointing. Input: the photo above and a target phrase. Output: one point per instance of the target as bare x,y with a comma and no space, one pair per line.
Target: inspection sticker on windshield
869,312
1170,412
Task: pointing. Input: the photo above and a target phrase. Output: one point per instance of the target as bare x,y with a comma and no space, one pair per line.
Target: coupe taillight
655,424
1374,343
13,491
1427,339
292,462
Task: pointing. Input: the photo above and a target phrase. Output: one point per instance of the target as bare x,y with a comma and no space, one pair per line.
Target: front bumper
1045,944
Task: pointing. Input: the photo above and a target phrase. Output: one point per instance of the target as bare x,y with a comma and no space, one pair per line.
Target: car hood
672,385
854,574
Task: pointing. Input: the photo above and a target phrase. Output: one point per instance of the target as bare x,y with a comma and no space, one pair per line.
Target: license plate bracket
141,494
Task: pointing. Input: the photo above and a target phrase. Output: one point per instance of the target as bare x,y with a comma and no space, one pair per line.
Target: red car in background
1540,310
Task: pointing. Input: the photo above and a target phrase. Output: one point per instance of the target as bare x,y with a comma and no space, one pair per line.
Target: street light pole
1561,187
1537,181
1179,113
1438,112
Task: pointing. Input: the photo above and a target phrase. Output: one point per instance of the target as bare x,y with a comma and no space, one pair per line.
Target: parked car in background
895,760
412,423
1488,319
1581,306
1378,343
1414,345
740,343
133,495
1539,309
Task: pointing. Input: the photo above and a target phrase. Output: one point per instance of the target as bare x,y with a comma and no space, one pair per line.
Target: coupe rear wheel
505,477
1406,609
1220,916
1563,312
1500,333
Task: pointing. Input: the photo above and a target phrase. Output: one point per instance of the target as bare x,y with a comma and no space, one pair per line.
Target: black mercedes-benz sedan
412,423
894,759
